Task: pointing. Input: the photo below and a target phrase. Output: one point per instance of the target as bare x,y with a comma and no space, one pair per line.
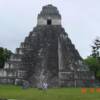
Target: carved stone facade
47,55
49,13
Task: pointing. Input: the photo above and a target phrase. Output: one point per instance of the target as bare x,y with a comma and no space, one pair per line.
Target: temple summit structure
47,55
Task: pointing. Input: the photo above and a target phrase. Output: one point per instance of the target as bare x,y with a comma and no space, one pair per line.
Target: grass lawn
16,92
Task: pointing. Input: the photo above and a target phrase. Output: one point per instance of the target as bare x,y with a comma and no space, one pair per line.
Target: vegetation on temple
4,55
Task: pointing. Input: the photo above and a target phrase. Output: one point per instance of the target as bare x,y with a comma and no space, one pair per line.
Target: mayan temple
47,55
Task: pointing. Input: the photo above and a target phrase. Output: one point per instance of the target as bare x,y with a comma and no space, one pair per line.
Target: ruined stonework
47,55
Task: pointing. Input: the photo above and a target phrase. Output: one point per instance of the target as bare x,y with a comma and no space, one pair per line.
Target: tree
93,61
1,57
4,56
96,49
93,64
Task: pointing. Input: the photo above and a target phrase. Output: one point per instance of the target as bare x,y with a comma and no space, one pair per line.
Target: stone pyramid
48,55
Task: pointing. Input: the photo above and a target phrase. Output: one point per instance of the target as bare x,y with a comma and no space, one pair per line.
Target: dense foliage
93,61
96,49
94,65
4,55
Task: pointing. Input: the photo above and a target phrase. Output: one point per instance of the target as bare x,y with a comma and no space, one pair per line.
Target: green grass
16,92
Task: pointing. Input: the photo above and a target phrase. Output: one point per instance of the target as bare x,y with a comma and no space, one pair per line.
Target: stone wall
42,21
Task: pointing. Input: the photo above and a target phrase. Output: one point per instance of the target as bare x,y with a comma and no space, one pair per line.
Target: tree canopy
96,48
93,64
4,56
93,61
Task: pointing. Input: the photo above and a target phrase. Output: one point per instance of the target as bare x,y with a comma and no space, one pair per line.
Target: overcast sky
80,18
